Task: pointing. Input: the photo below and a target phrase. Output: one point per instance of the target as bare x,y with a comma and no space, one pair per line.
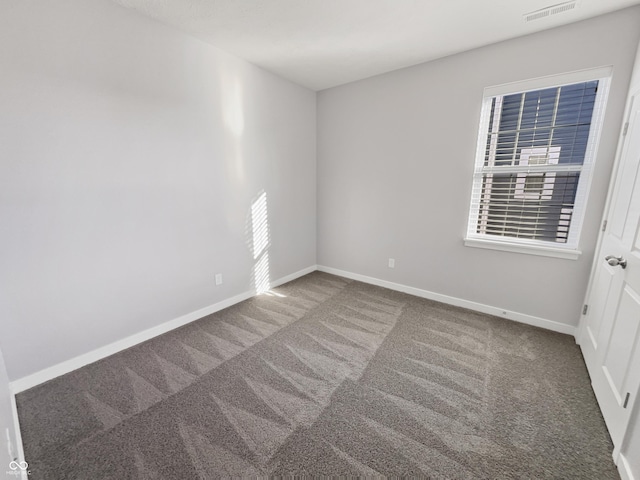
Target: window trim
570,249
521,247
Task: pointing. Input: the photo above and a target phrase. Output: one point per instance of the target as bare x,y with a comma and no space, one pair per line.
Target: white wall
395,163
130,156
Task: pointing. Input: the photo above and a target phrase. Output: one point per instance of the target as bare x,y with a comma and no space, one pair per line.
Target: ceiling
324,43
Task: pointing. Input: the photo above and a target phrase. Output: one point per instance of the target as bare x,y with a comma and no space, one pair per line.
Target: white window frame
570,249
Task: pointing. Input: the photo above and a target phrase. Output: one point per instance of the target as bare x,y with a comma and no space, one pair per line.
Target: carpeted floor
325,376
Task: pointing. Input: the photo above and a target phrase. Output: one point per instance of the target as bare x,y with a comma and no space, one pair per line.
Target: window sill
523,248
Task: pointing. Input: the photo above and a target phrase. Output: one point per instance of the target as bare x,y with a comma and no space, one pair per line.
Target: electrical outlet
392,263
218,279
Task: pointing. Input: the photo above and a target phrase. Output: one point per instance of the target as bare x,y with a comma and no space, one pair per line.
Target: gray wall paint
131,154
395,164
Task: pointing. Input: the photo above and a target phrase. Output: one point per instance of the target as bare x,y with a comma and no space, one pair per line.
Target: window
535,153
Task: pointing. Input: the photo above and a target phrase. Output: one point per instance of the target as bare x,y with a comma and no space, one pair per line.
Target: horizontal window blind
534,163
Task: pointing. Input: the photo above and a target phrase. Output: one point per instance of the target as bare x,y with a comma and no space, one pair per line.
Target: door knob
615,261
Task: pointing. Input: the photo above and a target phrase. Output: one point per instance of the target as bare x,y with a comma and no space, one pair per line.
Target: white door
610,335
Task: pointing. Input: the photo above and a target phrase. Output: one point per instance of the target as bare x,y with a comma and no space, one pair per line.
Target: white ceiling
324,43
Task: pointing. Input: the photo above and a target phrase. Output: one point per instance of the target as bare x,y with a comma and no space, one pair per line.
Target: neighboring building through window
533,165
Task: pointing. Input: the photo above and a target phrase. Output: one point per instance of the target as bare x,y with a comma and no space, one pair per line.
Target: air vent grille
550,10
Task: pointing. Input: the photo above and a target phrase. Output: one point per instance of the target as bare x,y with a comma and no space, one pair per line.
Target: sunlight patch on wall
260,225
261,274
232,106
260,243
233,118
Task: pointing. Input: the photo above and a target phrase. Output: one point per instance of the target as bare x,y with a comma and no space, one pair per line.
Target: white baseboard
67,366
293,276
624,469
458,302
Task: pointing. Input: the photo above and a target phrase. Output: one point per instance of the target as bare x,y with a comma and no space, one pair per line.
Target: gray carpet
325,376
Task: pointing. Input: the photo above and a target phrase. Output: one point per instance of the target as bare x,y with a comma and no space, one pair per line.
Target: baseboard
293,276
624,469
67,366
72,364
458,302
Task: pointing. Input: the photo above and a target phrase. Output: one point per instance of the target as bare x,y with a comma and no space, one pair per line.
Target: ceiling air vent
550,10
